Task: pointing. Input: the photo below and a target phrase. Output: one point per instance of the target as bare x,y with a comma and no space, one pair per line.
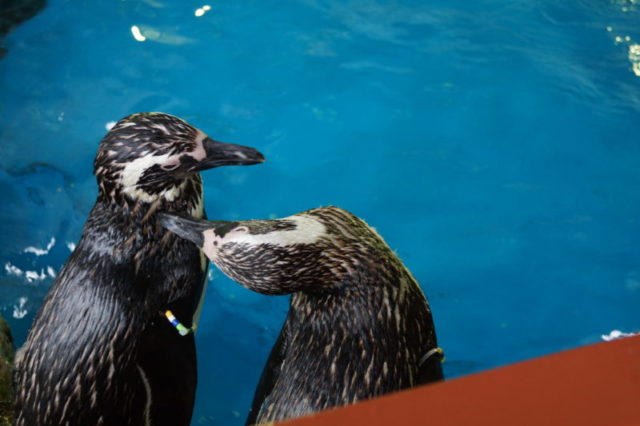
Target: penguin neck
328,307
183,197
359,300
127,236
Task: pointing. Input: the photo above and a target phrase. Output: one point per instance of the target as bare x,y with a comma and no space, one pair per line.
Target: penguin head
270,256
146,156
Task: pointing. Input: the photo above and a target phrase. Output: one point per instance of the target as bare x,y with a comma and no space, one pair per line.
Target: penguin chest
166,359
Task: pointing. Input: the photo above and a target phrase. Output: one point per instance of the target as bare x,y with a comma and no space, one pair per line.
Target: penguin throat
141,194
169,194
183,196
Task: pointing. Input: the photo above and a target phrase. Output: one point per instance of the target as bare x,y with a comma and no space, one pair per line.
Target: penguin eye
171,166
241,229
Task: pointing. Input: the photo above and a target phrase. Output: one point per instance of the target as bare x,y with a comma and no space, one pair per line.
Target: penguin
111,344
7,353
358,325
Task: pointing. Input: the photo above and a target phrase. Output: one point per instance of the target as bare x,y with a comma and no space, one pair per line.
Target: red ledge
594,385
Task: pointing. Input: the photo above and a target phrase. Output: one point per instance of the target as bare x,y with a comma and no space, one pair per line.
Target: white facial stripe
212,241
208,248
308,231
130,176
134,169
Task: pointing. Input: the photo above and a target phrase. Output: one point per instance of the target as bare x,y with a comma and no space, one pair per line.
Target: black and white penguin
111,343
358,326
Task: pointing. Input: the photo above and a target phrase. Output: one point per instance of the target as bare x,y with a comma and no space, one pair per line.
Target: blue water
494,144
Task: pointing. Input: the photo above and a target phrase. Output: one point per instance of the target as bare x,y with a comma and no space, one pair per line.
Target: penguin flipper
269,376
430,368
166,363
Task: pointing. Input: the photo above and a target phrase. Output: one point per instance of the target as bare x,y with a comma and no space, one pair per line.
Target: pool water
494,144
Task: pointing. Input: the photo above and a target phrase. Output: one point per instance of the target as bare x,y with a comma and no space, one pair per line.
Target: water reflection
633,49
634,57
145,32
202,10
626,5
41,252
30,275
19,310
137,34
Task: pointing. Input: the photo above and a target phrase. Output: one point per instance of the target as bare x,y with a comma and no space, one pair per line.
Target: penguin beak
223,154
184,227
193,229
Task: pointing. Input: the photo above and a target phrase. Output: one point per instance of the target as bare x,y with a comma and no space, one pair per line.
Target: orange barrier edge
597,384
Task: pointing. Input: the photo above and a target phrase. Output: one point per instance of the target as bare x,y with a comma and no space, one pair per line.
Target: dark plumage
100,351
358,326
7,352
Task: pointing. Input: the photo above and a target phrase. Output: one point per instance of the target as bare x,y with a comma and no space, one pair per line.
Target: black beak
189,228
223,154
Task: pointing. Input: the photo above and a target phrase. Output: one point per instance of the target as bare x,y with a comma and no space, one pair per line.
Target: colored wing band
182,330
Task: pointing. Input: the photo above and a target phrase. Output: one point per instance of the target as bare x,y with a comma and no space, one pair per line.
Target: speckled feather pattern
99,352
358,323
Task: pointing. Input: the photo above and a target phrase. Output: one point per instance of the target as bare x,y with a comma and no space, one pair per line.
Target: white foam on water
19,311
13,270
39,251
616,334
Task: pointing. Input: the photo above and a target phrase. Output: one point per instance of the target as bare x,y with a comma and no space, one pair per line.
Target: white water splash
616,334
32,276
19,311
41,252
202,10
51,272
13,270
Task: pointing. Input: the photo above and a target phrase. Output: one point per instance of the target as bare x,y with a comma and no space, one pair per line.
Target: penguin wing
269,377
430,363
58,379
430,370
